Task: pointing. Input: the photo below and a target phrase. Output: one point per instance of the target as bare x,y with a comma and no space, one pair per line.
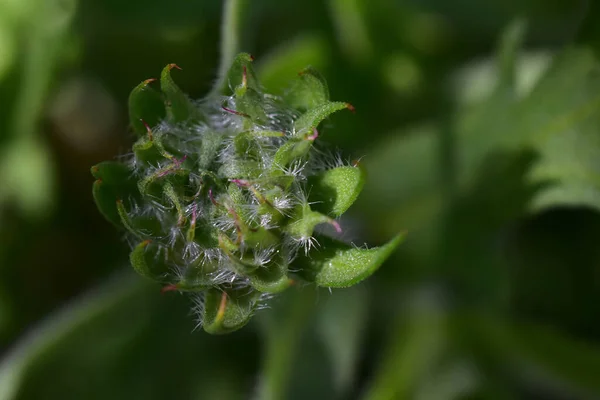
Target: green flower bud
222,196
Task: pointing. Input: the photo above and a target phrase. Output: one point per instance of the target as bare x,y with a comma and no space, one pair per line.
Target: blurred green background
478,123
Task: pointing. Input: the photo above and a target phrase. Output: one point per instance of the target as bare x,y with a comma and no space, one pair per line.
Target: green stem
231,27
283,333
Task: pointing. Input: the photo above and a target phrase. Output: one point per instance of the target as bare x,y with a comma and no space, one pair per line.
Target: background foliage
478,124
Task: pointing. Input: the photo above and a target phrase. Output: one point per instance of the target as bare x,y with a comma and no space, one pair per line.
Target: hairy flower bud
222,196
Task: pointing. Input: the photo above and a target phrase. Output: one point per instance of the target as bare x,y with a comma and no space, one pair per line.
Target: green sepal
260,236
339,265
227,311
142,227
308,91
335,190
153,184
271,279
196,276
235,75
145,105
150,149
250,103
147,260
292,150
312,118
209,149
106,197
304,220
246,143
241,169
179,107
114,172
114,182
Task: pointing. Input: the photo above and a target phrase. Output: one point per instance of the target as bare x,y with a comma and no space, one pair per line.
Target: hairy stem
231,26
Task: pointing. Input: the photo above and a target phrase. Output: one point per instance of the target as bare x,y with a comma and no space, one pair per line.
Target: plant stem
231,26
282,335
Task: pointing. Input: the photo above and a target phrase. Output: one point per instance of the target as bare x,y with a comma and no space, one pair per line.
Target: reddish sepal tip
336,226
168,288
171,66
350,107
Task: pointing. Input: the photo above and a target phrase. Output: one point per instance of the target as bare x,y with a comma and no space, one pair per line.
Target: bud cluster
221,197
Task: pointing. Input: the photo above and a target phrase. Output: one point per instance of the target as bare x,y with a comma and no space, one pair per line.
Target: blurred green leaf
56,334
124,338
27,176
550,356
415,345
280,65
8,46
562,112
349,20
309,90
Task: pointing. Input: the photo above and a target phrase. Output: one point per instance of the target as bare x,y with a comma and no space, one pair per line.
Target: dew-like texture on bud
221,196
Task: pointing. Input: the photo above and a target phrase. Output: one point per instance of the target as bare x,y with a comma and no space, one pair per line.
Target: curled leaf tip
148,81
171,66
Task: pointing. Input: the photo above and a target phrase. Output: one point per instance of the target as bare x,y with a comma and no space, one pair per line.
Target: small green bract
221,197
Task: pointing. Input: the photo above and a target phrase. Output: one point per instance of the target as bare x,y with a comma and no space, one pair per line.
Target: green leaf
313,117
335,190
226,312
310,90
145,105
179,107
340,265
